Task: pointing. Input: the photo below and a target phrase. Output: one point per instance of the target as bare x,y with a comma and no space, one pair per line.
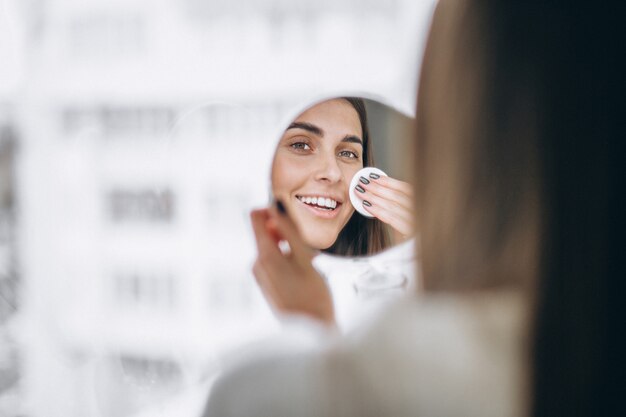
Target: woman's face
317,156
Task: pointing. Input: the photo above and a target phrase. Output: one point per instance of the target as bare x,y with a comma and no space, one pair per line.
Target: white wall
124,102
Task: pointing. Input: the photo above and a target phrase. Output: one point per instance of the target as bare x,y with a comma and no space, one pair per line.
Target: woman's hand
389,200
288,280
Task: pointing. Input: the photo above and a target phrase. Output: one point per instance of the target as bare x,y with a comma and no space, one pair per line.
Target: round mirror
318,173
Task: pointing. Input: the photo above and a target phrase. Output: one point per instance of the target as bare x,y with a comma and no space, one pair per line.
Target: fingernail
360,189
281,207
374,176
367,203
364,180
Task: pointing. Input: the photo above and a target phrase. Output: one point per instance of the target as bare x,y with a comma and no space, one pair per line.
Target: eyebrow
319,132
352,139
308,127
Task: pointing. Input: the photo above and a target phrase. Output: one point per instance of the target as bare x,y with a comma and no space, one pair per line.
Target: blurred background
135,136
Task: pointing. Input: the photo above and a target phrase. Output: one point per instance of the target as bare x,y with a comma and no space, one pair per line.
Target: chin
316,244
320,242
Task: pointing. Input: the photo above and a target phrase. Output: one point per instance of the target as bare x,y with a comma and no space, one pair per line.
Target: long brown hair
361,236
475,170
513,183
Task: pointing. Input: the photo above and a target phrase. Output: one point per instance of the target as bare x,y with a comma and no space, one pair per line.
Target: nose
329,169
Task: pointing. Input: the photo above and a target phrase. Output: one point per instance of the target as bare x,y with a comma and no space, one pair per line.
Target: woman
316,158
521,303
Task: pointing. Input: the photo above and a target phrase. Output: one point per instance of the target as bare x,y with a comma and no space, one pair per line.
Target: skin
317,156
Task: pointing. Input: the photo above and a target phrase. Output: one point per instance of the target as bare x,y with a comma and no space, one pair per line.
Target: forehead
335,117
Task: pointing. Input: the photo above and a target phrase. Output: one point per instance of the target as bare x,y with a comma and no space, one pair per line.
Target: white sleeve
273,386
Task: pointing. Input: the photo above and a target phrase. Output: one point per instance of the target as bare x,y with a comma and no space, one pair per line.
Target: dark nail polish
364,180
281,207
359,189
367,203
374,176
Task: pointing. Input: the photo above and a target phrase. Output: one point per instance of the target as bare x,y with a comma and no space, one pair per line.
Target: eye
348,154
300,146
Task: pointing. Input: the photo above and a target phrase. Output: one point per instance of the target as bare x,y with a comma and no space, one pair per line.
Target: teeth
319,201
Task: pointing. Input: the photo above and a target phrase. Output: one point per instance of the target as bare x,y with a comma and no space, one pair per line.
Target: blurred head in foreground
512,171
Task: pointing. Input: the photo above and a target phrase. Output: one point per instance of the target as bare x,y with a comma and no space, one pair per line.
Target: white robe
425,356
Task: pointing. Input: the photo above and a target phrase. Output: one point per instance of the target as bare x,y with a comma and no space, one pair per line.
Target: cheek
348,215
287,175
349,171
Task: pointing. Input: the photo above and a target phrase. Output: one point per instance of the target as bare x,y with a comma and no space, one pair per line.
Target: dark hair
361,236
513,183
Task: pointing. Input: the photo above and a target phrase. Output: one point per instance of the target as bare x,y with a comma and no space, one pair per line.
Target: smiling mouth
320,203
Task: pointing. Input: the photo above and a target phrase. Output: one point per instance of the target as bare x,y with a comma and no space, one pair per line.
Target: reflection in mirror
318,156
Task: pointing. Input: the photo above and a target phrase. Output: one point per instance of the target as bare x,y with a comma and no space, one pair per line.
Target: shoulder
283,376
445,355
271,386
432,356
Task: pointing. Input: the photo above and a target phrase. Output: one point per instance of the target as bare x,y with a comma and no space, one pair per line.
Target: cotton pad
357,203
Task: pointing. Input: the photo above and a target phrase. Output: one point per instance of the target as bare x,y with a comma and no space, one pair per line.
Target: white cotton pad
357,203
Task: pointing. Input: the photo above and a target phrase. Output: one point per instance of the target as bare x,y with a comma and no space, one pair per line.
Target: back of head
514,158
